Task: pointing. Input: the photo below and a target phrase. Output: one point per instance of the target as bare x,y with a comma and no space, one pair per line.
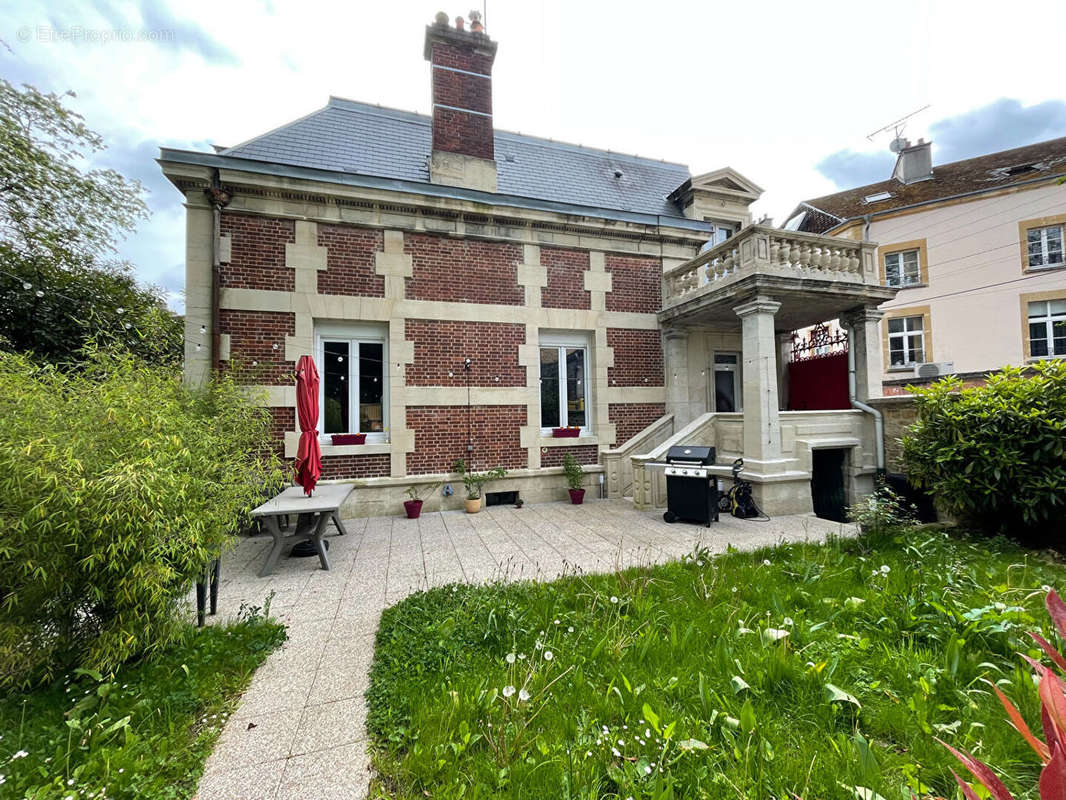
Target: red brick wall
631,418
566,278
441,436
282,420
463,271
584,454
441,346
369,466
460,90
257,253
638,357
253,335
636,284
350,261
449,55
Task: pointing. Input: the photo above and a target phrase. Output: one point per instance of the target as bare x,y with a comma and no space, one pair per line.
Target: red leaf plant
1052,749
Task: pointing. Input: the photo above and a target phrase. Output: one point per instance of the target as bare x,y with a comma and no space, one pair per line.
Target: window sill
1038,359
908,286
1045,268
547,440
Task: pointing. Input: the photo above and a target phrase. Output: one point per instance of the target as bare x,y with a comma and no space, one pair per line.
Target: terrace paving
299,731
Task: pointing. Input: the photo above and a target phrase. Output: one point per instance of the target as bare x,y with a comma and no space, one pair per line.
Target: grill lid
690,454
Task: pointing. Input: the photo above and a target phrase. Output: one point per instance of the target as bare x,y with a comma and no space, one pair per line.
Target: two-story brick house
466,290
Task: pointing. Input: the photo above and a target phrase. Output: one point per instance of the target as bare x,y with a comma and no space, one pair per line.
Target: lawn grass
820,670
144,734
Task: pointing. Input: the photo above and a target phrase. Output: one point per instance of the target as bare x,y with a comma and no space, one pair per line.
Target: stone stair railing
771,251
618,462
649,484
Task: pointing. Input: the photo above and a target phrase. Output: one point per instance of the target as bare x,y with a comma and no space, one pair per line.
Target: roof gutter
1060,177
216,161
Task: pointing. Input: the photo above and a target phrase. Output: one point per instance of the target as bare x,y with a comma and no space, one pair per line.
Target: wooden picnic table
312,515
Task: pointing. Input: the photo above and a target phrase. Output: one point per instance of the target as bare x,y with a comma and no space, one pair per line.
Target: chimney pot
459,23
442,18
475,21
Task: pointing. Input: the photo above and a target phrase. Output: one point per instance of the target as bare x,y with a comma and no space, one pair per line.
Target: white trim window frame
558,356
337,342
1045,246
1047,320
903,268
906,335
720,231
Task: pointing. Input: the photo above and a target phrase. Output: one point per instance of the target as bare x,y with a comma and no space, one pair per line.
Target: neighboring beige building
975,248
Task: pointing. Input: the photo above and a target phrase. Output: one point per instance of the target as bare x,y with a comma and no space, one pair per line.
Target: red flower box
348,438
566,433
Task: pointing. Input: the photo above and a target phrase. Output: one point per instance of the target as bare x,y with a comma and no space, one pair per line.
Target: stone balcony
814,277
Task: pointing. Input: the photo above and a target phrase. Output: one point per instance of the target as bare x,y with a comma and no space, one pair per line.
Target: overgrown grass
145,734
824,671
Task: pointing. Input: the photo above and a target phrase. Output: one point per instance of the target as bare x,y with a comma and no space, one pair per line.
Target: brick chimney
461,65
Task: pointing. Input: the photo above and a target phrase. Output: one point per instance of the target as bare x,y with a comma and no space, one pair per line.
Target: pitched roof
347,136
983,173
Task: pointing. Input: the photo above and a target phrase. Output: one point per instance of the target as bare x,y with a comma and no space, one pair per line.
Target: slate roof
358,138
983,173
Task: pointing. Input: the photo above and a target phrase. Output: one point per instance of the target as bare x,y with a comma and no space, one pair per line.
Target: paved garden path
299,732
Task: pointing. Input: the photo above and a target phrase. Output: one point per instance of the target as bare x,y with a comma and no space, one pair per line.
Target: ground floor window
564,388
1047,328
353,392
906,341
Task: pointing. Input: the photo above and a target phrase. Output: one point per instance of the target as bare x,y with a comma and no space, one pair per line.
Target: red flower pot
348,438
413,508
565,433
577,496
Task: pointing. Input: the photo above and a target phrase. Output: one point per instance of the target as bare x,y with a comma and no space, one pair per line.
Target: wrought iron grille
822,341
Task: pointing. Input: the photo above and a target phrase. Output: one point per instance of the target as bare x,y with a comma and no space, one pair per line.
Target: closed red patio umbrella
308,463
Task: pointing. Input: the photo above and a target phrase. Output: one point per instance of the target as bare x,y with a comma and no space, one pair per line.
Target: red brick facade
257,253
463,271
369,466
350,261
462,100
631,418
441,437
566,278
583,454
636,284
638,357
253,335
441,347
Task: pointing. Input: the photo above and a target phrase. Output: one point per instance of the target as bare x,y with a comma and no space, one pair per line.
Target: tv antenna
897,127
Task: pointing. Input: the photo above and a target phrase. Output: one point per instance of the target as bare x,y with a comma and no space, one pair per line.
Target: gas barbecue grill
691,491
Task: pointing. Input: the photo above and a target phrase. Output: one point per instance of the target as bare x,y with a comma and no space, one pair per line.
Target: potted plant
413,507
347,438
569,432
474,481
575,475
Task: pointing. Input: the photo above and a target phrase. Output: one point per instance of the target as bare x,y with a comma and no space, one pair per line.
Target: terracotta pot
413,508
472,506
577,496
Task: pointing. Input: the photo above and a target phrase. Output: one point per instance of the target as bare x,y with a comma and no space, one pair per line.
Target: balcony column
762,421
676,366
864,339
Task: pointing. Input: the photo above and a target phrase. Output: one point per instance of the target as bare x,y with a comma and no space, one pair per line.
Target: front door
725,384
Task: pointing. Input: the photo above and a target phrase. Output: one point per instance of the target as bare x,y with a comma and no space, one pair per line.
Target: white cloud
770,89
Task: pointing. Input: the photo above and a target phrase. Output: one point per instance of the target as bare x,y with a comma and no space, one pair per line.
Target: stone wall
899,413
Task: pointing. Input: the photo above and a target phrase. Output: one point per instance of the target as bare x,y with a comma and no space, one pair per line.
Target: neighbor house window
903,268
906,341
353,392
1047,328
564,389
1045,246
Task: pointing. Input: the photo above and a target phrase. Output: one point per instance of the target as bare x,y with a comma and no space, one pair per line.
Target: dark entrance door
827,484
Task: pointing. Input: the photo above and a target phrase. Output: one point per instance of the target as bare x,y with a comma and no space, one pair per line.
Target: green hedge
995,455
116,485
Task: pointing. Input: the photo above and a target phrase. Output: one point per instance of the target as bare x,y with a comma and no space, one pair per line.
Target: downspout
879,420
219,200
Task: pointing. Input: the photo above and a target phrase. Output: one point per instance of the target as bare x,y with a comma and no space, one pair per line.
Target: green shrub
994,455
116,485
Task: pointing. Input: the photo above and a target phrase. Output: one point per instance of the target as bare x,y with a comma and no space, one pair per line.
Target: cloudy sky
784,92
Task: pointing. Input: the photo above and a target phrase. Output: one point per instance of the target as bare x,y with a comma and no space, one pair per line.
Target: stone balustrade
771,251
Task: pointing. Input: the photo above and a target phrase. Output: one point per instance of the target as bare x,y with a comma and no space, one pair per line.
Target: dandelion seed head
508,691
614,599
509,658
523,695
548,656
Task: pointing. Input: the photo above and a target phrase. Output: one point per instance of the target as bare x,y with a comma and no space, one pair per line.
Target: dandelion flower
523,695
788,621
510,658
556,622
885,569
508,691
647,770
614,599
548,655
570,629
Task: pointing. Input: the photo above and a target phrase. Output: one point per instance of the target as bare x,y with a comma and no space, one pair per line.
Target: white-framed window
1045,246
564,382
1047,328
720,231
906,341
903,268
353,391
